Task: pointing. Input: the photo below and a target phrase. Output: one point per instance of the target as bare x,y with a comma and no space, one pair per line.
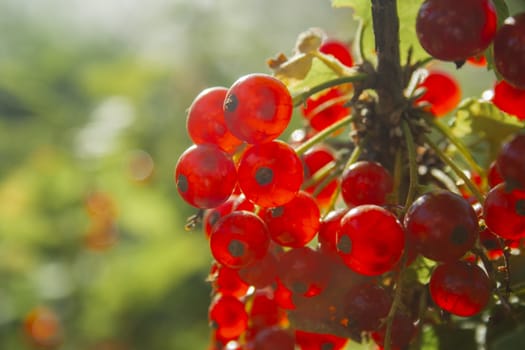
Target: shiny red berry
371,240
511,163
238,239
504,212
314,160
257,108
205,176
319,341
205,122
442,93
228,316
228,282
461,288
329,230
403,331
270,174
509,50
441,225
339,50
295,223
509,99
365,305
325,109
366,182
452,30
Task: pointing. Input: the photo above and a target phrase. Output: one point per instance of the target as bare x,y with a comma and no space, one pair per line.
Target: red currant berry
235,202
228,316
295,223
460,287
403,331
264,311
479,60
509,50
205,176
494,177
365,305
315,159
261,274
442,93
452,30
270,174
326,109
273,338
205,122
228,282
319,341
371,240
339,50
504,212
366,182
509,99
511,163
441,225
329,230
238,239
303,271
257,108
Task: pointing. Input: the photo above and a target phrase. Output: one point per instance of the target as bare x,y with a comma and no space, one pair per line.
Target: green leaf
407,11
502,10
483,128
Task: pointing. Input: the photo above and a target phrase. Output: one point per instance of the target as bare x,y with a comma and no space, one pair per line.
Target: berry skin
511,163
365,305
403,331
509,50
479,61
257,108
228,282
493,176
441,225
273,338
295,223
443,93
339,50
504,212
366,182
326,109
318,341
371,240
205,176
270,174
238,239
205,122
509,99
451,30
460,287
228,316
329,230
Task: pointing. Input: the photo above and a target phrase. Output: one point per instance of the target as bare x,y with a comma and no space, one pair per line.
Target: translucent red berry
504,212
295,223
325,109
270,174
479,60
509,99
257,108
366,182
205,176
319,341
509,50
261,274
441,225
511,163
339,50
228,316
365,305
452,30
442,93
272,338
403,331
329,230
493,176
371,240
461,288
205,122
228,282
238,239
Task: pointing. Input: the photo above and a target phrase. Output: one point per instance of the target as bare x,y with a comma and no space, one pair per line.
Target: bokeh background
93,94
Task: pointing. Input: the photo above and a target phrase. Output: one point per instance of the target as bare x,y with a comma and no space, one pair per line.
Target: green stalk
412,163
445,131
301,98
395,303
473,189
323,135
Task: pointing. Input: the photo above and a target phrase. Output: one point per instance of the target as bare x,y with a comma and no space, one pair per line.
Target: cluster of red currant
458,31
312,240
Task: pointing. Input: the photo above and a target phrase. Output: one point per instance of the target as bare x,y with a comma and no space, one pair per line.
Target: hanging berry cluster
375,221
